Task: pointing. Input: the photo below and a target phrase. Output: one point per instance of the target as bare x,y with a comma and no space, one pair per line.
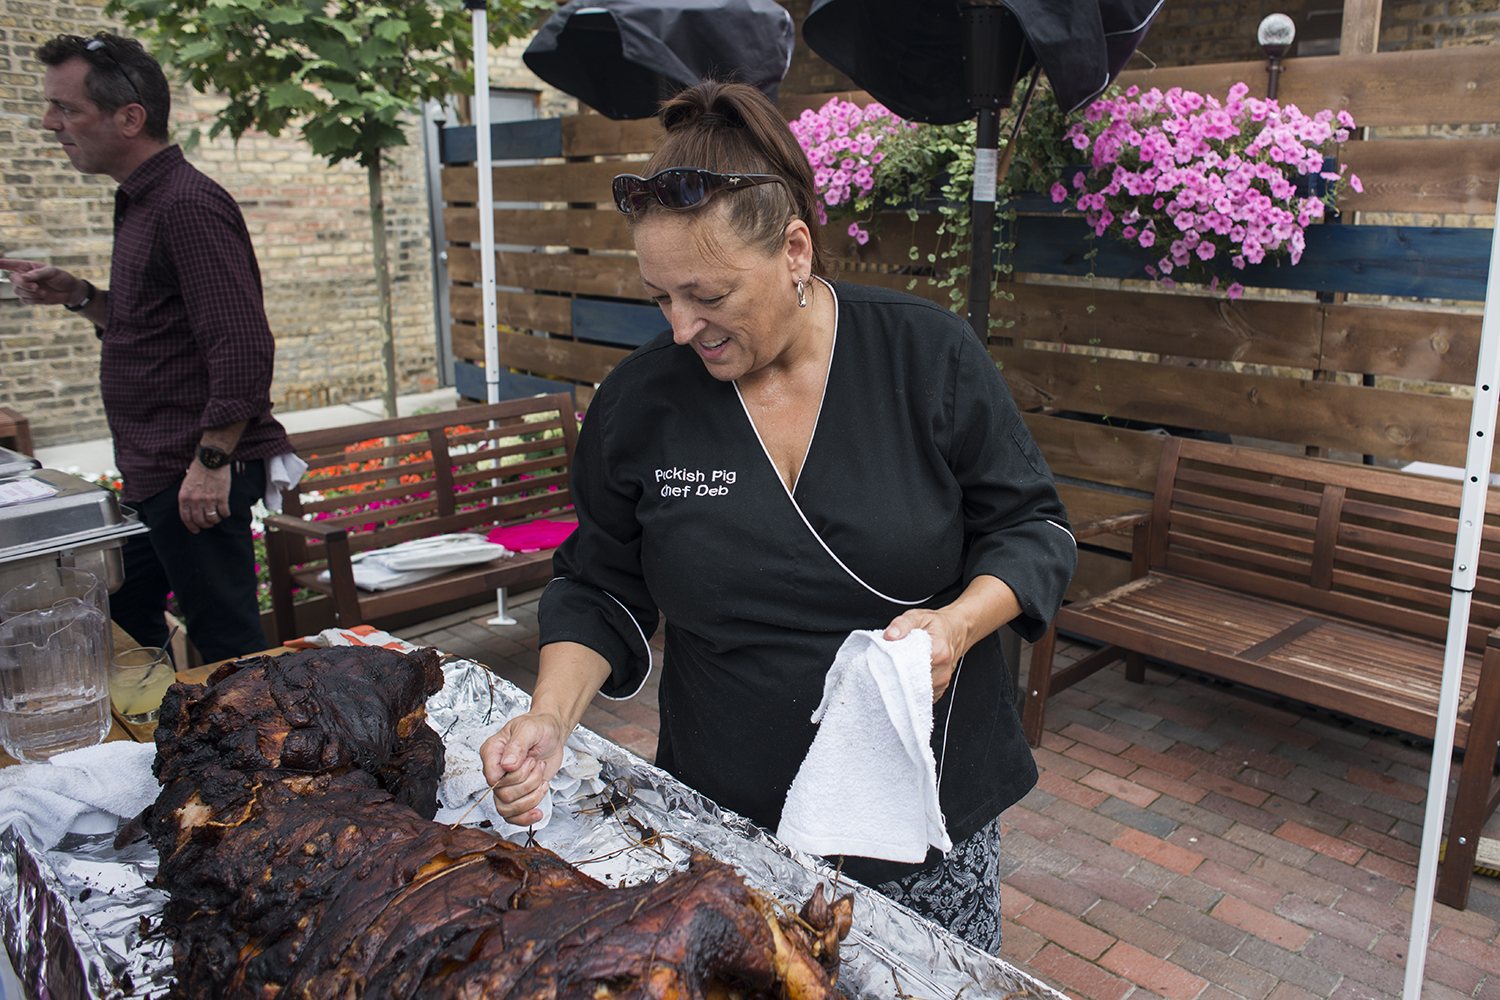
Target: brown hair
733,128
120,73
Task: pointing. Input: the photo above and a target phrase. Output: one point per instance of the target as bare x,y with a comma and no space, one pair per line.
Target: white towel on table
868,786
48,799
465,795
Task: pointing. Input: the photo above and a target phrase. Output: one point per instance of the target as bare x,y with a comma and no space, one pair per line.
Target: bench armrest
308,529
281,551
1105,525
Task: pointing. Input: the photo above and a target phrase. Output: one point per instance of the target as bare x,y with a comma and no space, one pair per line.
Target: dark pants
211,573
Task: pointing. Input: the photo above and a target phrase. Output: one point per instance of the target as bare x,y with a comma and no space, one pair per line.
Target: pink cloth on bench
532,536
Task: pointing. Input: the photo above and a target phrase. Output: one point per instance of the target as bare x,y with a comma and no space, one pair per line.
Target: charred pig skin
294,833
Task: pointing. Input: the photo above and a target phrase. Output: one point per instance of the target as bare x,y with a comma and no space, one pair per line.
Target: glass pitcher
54,679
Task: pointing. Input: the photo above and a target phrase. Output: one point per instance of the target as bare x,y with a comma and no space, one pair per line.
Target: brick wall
1199,31
310,224
1438,25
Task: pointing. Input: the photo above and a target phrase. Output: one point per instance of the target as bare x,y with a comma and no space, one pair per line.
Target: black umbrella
623,57
943,61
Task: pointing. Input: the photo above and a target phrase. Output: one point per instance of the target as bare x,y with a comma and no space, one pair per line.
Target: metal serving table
82,920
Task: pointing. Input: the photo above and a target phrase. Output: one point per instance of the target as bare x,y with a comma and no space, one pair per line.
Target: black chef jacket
920,476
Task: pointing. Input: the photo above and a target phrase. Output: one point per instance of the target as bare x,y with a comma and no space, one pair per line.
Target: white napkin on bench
49,799
418,559
868,786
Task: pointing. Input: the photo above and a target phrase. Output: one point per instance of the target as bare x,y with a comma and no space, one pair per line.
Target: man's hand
42,284
203,500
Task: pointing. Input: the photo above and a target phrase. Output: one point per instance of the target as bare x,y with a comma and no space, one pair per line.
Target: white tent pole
1465,571
483,161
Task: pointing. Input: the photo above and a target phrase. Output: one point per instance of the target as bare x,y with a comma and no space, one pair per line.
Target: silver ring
213,513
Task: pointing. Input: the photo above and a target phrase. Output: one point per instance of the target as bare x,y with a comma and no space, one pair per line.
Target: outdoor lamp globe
1275,34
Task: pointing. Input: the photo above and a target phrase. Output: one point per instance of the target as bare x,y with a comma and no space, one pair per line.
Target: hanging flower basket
868,160
1210,186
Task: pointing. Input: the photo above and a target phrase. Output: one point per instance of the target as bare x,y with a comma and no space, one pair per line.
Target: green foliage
931,168
343,72
1043,149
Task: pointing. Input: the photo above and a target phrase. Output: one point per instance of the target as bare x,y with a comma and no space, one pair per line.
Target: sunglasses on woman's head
680,188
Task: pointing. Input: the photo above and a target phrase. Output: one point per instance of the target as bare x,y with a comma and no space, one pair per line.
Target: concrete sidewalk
90,458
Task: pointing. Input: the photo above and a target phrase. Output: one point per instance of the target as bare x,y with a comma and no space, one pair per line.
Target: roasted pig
293,842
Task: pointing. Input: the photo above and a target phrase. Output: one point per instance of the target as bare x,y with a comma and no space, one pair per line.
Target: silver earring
801,294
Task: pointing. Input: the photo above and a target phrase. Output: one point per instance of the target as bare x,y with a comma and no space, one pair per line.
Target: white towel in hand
47,799
868,786
282,473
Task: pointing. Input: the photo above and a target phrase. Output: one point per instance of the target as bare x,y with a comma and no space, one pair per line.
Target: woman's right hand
520,760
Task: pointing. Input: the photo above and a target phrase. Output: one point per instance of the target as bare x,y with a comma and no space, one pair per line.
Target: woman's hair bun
733,128
689,109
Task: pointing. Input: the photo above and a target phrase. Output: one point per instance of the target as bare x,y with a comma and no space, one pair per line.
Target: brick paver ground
1188,839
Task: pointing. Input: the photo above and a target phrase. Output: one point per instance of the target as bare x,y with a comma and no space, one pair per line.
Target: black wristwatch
88,297
212,458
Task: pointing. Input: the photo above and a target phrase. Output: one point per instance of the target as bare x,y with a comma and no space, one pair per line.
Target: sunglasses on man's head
98,45
680,188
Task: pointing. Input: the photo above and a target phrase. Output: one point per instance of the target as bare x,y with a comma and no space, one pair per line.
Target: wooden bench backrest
435,473
1375,545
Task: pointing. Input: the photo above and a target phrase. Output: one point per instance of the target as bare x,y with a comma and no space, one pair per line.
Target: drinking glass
137,680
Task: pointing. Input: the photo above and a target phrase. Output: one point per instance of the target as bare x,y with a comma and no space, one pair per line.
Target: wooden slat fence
1372,367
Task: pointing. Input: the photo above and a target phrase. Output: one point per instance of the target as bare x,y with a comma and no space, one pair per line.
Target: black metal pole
993,44
982,221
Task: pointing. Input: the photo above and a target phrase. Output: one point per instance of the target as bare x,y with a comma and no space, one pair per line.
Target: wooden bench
1319,581
15,431
432,474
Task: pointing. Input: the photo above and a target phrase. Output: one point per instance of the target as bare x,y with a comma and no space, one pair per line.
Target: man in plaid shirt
186,355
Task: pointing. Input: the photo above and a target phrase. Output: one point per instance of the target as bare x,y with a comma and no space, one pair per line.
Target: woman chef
793,461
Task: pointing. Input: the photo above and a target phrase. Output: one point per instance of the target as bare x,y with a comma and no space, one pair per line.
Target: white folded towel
48,799
868,786
282,473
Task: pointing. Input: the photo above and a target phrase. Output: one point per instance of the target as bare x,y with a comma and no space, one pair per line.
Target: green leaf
393,30
290,95
285,15
201,51
345,92
348,31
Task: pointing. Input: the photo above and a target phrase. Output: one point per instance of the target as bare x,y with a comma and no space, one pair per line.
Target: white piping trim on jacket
1065,531
952,688
645,643
766,451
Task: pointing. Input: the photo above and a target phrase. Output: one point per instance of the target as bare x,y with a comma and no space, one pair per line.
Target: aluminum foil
82,920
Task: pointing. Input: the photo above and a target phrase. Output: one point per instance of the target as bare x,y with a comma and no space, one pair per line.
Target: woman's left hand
986,604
